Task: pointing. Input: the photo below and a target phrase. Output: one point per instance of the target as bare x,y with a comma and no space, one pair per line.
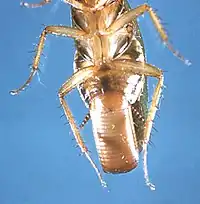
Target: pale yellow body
110,73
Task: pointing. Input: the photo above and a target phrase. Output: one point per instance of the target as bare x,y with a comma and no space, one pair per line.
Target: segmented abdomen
114,132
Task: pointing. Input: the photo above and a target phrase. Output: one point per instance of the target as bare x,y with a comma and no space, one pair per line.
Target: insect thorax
100,49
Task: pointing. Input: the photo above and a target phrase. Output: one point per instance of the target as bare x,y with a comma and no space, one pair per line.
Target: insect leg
149,121
85,120
55,30
147,70
35,5
138,11
76,79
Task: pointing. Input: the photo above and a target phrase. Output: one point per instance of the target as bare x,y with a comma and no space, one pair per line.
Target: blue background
39,163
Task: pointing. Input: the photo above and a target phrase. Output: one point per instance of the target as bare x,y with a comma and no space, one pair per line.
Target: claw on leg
76,79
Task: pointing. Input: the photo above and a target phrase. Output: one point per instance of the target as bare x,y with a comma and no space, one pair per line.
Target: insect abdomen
114,132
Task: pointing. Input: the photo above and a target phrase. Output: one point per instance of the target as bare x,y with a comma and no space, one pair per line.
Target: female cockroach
110,72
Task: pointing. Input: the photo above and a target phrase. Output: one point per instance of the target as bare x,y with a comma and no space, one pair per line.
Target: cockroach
110,72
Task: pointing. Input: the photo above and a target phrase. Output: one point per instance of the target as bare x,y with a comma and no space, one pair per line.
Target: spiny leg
85,120
55,30
147,70
148,126
149,122
76,79
138,11
35,5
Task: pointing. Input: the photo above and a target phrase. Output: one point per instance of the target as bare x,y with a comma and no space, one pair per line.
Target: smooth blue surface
39,163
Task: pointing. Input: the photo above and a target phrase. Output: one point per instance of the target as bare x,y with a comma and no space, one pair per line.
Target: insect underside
110,72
